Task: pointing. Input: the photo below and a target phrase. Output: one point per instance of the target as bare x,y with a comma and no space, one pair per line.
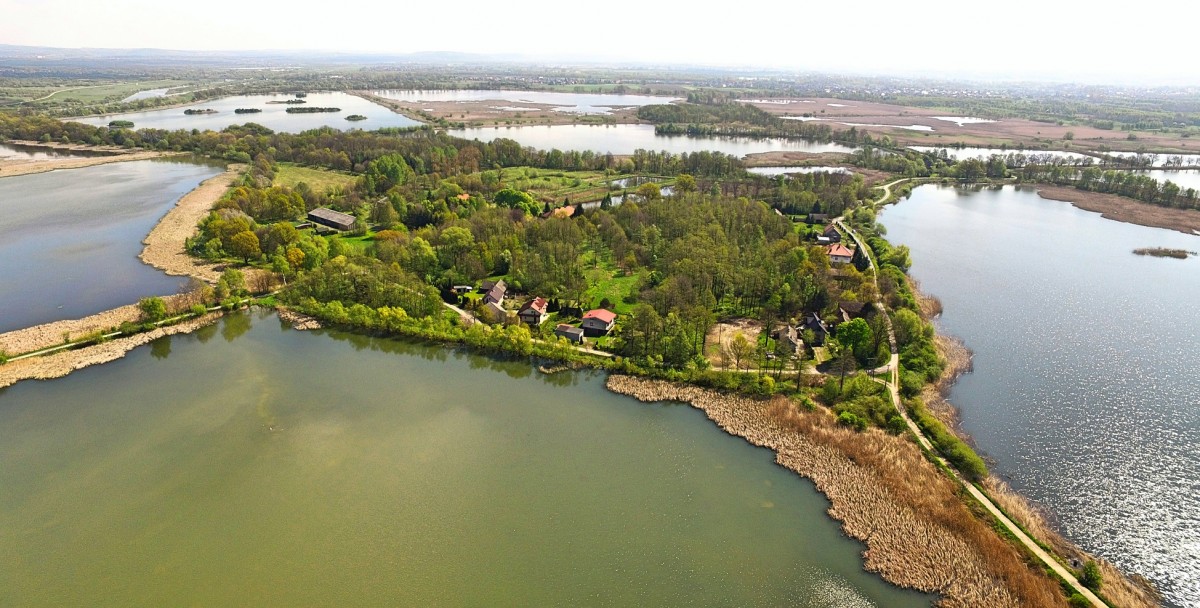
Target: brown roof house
598,322
533,312
494,292
831,233
788,337
493,313
570,332
839,253
333,219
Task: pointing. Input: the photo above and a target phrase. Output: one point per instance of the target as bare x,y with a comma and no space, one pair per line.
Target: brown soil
487,113
1013,132
1127,210
918,532
61,364
165,243
15,166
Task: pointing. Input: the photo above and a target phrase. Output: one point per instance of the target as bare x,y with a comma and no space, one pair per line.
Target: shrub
1090,576
153,309
198,309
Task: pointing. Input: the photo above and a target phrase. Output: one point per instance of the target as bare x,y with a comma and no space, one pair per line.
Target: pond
253,463
1085,358
273,115
70,239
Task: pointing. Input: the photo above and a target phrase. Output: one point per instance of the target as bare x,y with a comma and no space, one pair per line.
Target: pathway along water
248,460
1082,358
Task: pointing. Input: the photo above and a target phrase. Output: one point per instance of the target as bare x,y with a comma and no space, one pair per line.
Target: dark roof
488,285
853,308
563,328
495,294
831,230
329,216
813,321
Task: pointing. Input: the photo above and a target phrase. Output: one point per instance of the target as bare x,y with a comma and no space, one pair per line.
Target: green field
554,185
93,92
612,283
320,180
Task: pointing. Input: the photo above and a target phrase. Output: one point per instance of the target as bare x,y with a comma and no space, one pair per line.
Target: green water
249,464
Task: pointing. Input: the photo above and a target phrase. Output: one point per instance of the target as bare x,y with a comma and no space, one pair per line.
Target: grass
554,185
358,243
607,281
87,93
320,180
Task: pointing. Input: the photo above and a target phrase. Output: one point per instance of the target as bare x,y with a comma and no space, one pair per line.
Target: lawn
94,92
610,282
320,180
554,185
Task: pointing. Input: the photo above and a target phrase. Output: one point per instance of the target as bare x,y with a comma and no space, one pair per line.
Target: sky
1108,42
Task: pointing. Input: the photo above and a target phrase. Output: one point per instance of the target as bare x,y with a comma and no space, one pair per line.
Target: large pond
625,139
69,240
10,151
248,463
984,153
1086,355
273,116
572,103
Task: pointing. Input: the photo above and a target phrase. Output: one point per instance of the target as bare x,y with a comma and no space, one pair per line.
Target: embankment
165,243
1121,209
63,363
919,533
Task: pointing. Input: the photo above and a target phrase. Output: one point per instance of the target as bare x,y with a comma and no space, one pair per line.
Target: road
893,389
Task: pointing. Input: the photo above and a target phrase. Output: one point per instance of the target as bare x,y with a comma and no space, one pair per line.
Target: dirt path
893,389
165,243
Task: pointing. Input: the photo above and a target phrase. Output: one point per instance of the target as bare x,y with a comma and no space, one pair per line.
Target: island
312,110
288,101
356,117
121,124
247,111
193,111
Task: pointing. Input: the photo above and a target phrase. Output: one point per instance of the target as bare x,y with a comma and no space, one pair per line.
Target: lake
1083,389
572,103
249,463
273,116
626,138
70,239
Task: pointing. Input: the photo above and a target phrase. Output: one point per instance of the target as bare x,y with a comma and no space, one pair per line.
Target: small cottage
817,218
570,332
839,253
788,337
332,219
831,233
533,312
494,292
598,322
812,322
493,313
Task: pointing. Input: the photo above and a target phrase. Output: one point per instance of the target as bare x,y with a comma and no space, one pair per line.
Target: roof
852,307
537,304
563,328
495,293
605,316
489,285
831,229
330,215
464,197
563,212
497,312
838,249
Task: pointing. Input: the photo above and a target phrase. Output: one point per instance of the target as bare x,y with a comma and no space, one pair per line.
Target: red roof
605,316
838,250
538,304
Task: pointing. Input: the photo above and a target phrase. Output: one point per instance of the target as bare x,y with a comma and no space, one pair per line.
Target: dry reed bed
918,532
63,363
165,243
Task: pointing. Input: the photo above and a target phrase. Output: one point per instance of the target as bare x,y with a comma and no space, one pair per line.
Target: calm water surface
625,139
572,103
273,116
1086,356
69,240
984,153
253,465
20,152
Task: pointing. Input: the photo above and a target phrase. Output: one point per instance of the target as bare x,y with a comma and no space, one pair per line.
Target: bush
153,309
198,309
1090,576
957,452
852,421
1078,601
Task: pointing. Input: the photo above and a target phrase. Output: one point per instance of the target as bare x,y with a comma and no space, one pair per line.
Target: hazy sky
1092,41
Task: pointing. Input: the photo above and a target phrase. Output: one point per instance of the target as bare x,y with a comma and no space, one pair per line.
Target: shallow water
1083,387
273,116
572,103
253,464
69,240
625,139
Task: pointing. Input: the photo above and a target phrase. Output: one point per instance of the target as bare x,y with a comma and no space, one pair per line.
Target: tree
856,336
740,348
843,362
153,309
234,281
1090,576
607,202
685,183
649,192
245,245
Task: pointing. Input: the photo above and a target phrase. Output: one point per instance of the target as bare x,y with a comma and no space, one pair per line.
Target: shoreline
164,246
47,335
918,533
18,167
1126,210
61,364
1120,588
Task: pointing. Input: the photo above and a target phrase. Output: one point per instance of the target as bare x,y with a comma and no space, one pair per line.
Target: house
788,338
817,218
494,292
831,233
570,332
533,312
812,322
839,253
461,289
333,219
493,313
598,322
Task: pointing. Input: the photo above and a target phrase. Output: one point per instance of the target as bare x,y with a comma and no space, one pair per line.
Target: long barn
333,219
